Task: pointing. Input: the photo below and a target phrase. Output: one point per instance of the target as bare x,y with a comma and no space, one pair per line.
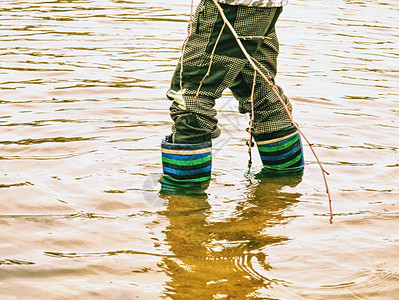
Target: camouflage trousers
195,118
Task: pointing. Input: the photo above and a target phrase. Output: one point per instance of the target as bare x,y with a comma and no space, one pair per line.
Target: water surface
82,114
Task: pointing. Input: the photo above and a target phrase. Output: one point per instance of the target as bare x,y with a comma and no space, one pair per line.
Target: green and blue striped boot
281,152
186,167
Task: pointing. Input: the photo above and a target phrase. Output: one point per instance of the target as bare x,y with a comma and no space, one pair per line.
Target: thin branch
263,67
274,89
268,74
210,61
252,120
190,26
254,37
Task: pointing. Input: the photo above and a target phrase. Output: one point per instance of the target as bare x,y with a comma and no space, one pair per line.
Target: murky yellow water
82,113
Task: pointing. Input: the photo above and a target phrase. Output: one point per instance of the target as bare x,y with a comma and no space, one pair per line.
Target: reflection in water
214,258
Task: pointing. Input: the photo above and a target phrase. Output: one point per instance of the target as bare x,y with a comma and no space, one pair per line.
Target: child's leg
269,114
278,141
194,117
194,90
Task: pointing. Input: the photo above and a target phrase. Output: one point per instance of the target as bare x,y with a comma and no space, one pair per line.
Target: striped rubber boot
186,166
281,152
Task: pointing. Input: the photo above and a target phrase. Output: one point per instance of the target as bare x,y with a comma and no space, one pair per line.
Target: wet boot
186,167
281,152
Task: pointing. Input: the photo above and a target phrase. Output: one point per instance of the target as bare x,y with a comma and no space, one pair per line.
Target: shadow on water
214,258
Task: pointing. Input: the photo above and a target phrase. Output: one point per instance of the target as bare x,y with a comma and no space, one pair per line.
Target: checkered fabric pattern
229,69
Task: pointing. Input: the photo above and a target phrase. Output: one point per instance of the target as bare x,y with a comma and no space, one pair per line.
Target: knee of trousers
186,165
194,119
281,152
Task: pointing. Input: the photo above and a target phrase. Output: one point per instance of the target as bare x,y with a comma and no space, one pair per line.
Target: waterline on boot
282,155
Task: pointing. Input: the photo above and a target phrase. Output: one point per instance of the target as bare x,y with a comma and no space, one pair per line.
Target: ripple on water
82,114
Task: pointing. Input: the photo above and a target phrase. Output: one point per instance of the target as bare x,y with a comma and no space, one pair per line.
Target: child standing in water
186,152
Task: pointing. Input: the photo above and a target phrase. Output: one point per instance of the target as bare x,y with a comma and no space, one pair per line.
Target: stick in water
274,89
